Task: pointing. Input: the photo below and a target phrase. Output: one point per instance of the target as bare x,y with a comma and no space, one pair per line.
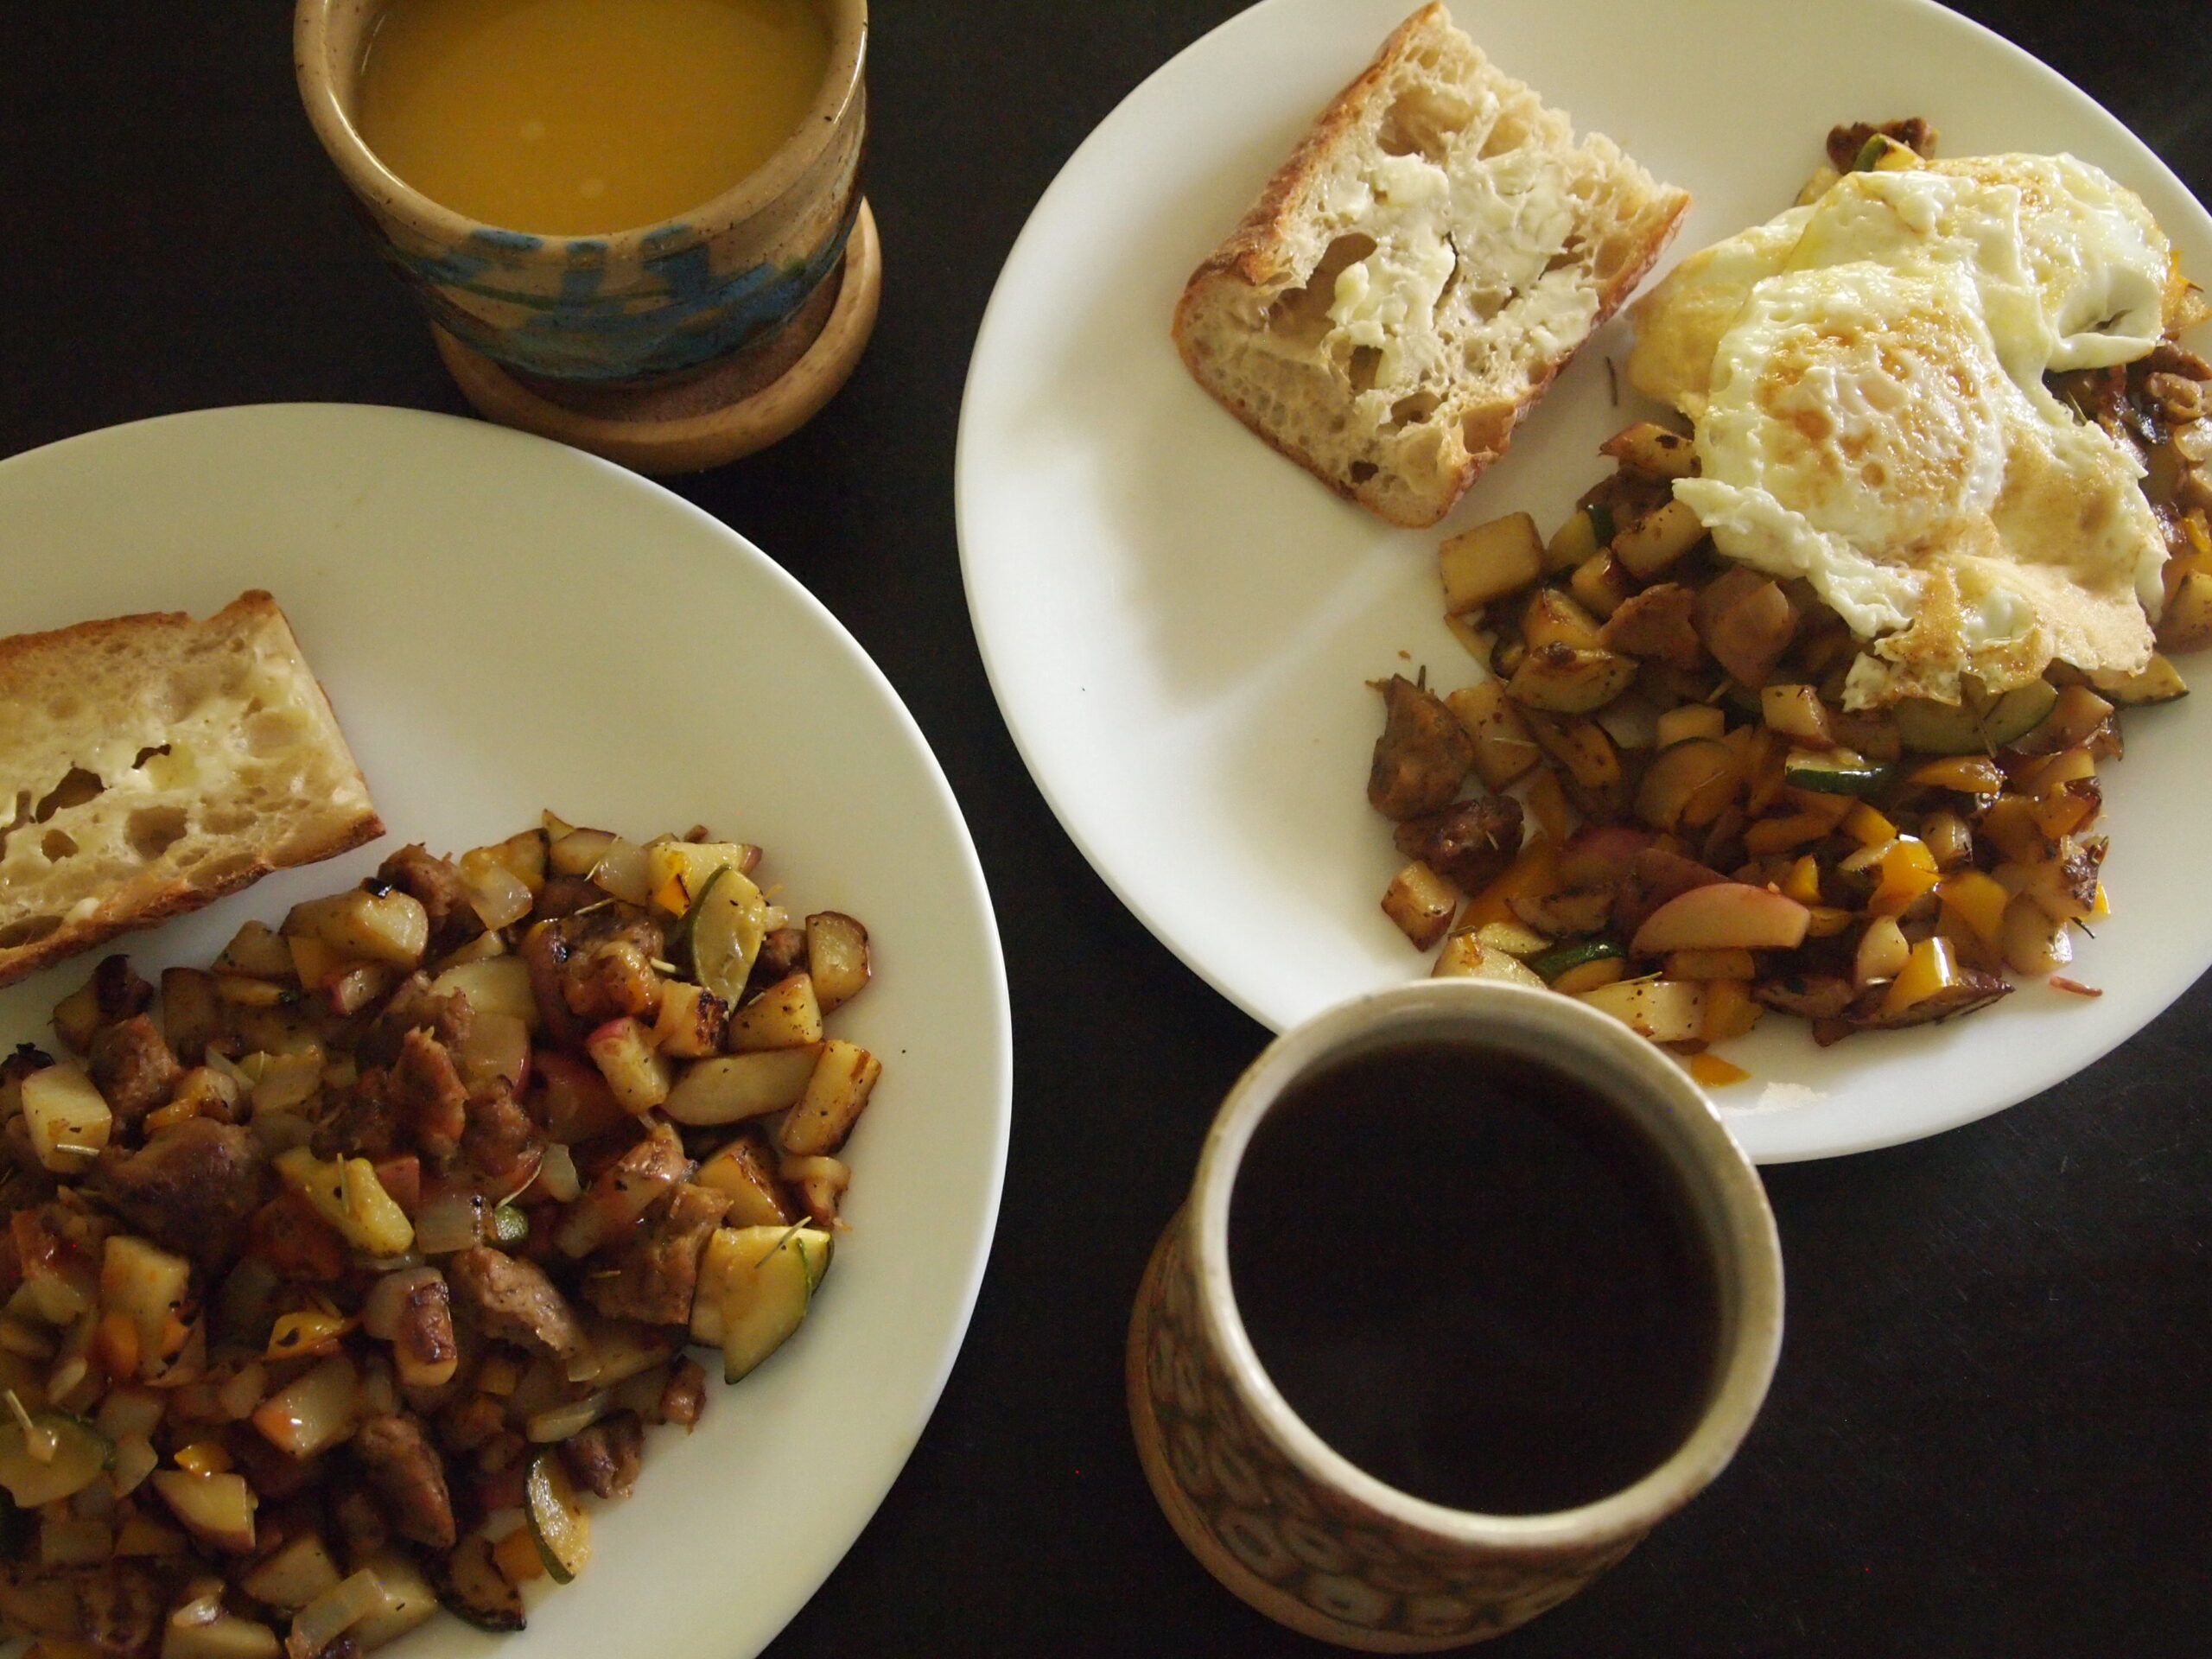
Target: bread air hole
1510,133
57,846
1302,315
1365,359
154,829
1410,411
76,786
1422,122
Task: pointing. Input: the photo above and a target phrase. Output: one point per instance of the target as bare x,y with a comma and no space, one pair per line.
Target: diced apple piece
146,1287
492,985
1723,915
836,1094
731,1088
744,1169
632,1068
1489,561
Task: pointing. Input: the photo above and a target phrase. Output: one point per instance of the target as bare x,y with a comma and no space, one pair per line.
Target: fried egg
1865,378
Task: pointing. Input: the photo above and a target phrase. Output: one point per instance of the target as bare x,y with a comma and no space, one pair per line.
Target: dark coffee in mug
1468,1275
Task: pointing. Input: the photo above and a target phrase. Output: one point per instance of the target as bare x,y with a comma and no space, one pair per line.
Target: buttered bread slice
152,764
1411,280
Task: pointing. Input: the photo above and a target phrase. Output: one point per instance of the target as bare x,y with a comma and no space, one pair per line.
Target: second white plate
505,625
1180,625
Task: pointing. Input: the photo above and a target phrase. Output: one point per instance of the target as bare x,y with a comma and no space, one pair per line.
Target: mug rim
365,172
1539,1024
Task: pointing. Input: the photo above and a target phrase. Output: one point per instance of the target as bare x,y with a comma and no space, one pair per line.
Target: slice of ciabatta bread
1413,276
152,764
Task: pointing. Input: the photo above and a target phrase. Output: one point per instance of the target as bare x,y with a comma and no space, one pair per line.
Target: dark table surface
1991,1430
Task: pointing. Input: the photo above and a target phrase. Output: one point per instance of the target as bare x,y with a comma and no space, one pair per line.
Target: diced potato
820,1181
1579,745
389,926
1575,540
836,1094
787,1014
346,1192
1602,584
1657,540
1489,561
730,1088
295,1574
745,1170
2158,681
1503,749
1561,679
2186,623
1512,937
1665,1010
837,958
147,1288
692,1022
217,1510
225,1636
408,1600
68,1118
1796,712
1689,719
1421,903
1552,617
1652,451
257,953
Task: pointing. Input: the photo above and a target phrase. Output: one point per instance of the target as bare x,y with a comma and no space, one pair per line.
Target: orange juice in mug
564,117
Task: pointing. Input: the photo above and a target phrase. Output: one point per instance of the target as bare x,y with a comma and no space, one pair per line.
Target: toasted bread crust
1300,392
245,799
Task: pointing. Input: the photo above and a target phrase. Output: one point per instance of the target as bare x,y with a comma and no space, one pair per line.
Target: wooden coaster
733,406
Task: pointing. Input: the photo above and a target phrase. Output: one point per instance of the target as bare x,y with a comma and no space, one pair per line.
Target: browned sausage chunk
131,1065
1472,842
656,1272
516,1302
604,1458
408,1474
1423,755
191,1189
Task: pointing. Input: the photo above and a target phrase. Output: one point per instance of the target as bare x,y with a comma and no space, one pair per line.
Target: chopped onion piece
317,1625
557,1170
558,1422
448,1223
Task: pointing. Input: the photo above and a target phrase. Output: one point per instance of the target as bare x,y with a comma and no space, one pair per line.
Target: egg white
1865,375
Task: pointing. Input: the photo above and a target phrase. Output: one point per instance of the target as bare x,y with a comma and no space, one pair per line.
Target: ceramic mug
1294,1528
635,305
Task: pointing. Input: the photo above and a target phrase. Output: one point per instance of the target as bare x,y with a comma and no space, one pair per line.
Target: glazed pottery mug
636,305
1294,1526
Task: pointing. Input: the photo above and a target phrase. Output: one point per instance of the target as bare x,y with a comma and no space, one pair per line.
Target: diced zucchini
474,1588
54,1456
1976,724
772,1279
1838,773
1550,965
556,1518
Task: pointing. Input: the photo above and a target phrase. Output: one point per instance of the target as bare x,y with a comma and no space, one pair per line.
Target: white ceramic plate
1180,625
505,625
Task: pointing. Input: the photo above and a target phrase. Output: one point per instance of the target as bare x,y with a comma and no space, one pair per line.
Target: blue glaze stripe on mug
685,317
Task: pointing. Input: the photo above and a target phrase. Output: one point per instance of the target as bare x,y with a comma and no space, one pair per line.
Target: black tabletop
1991,1430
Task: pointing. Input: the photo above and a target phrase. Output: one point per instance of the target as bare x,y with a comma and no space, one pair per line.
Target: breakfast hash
338,1275
1806,705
